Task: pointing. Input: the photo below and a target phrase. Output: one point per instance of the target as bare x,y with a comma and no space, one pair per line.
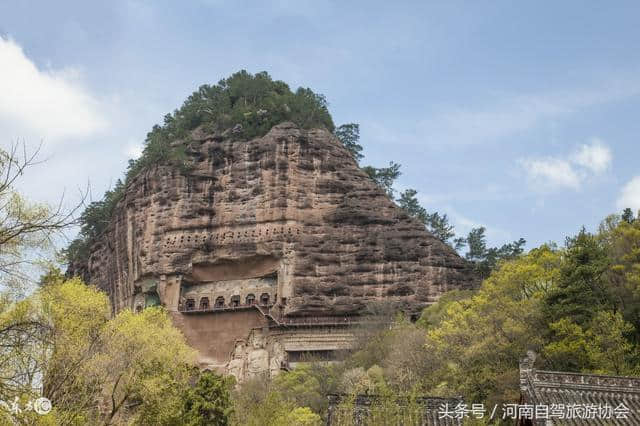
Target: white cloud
43,104
551,173
630,195
133,150
512,114
595,157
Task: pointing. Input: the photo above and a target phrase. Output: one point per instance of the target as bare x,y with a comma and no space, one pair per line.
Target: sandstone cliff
289,215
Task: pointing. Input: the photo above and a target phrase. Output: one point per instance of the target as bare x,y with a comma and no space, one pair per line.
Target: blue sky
521,117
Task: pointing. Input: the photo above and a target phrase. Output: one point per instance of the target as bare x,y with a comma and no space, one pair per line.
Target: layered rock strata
262,234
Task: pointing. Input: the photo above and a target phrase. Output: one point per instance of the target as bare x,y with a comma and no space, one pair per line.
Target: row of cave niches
219,303
230,237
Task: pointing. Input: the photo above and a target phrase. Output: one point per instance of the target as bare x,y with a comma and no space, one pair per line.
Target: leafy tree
410,204
581,288
302,386
611,351
52,275
407,367
75,315
477,245
599,348
433,315
486,259
476,347
568,350
349,135
94,220
21,337
27,232
621,240
627,215
146,363
27,229
209,402
93,368
302,416
437,224
262,402
384,177
269,408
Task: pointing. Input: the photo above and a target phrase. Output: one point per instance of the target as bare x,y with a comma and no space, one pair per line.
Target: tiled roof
585,399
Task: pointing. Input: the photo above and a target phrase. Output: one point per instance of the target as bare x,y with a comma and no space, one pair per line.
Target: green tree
627,215
568,350
433,315
384,177
581,289
28,232
486,259
27,229
601,347
270,408
477,245
209,402
302,416
439,226
611,352
95,369
144,361
477,346
303,386
621,240
410,204
349,135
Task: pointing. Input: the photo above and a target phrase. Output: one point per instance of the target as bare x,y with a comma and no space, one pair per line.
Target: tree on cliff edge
349,135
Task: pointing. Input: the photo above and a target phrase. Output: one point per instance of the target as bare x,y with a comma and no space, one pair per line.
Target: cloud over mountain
553,173
43,104
630,195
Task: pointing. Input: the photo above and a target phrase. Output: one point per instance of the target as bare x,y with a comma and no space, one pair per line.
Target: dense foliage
94,368
208,403
248,105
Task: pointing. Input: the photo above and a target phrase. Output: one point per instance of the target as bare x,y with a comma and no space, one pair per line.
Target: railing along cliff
279,320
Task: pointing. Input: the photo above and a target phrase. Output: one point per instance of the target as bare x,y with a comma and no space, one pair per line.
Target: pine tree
581,289
349,135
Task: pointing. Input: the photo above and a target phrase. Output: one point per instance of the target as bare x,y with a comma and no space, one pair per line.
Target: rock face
282,228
